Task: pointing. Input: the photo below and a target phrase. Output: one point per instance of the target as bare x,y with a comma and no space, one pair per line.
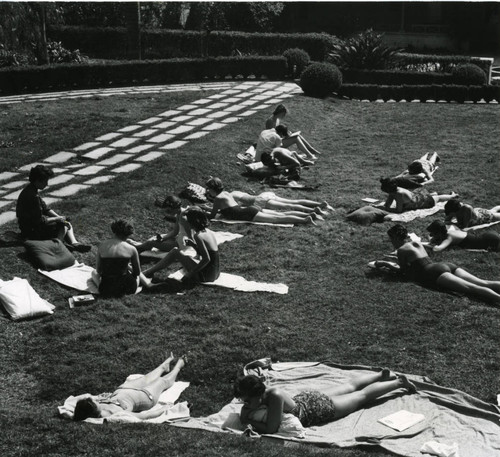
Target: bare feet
316,216
318,210
325,205
166,364
182,361
309,220
387,375
409,386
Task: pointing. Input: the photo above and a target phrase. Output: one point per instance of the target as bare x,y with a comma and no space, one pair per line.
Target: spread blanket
451,416
78,276
238,283
408,216
179,411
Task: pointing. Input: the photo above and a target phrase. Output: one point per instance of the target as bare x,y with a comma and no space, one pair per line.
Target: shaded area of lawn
336,308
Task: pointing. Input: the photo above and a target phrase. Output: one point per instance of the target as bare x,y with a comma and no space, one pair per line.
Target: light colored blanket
221,237
175,412
78,276
451,416
408,216
238,283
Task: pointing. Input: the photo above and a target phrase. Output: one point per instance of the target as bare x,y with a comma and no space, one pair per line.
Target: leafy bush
320,79
58,54
395,77
297,59
363,51
13,59
468,74
437,63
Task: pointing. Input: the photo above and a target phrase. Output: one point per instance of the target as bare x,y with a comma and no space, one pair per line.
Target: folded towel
78,276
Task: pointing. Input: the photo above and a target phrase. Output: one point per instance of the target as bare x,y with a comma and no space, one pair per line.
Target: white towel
238,283
78,276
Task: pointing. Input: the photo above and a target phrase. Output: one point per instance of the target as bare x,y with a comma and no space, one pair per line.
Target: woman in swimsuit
414,262
117,263
175,237
206,267
275,119
406,200
467,216
269,200
441,238
228,207
136,396
312,407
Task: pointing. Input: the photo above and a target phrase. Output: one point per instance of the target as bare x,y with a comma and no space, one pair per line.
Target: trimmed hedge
69,76
451,92
437,63
111,42
395,77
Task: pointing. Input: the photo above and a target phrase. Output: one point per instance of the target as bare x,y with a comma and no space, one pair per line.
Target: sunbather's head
122,229
438,231
197,218
267,159
388,185
281,130
172,203
86,408
397,233
215,184
415,167
40,175
452,206
249,386
280,110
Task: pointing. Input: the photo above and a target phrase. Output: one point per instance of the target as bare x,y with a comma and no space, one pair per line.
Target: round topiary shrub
297,59
320,79
468,74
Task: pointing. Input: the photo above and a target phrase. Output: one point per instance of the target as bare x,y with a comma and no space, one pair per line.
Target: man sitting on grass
36,220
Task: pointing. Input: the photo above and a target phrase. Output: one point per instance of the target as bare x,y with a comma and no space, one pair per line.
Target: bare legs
496,212
165,245
463,282
302,145
444,197
275,217
175,255
354,395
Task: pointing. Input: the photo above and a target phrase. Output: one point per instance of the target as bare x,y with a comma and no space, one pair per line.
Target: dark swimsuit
211,272
240,213
422,199
116,280
426,272
485,240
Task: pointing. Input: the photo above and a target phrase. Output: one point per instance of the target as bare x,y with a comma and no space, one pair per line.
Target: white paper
402,420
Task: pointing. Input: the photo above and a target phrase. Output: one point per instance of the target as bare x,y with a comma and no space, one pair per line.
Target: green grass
336,309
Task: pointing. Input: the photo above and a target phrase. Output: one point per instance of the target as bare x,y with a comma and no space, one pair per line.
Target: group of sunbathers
412,257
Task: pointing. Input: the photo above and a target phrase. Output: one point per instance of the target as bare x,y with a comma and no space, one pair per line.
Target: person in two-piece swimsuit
312,407
414,262
441,238
136,396
467,216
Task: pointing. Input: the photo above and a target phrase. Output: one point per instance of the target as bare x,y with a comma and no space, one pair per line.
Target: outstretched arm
443,245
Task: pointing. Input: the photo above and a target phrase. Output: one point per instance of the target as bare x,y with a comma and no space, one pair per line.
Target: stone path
137,145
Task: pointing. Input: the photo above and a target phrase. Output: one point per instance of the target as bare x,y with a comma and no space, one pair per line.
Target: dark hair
197,218
438,230
172,202
249,386
85,408
215,184
398,231
40,173
452,206
267,159
280,109
122,229
281,130
388,185
415,167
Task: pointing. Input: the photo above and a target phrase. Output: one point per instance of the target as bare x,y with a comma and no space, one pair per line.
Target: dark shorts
427,272
118,286
240,213
44,232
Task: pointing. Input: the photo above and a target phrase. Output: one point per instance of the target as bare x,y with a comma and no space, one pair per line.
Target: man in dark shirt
36,220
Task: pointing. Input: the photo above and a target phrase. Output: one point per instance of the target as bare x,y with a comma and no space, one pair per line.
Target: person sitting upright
273,138
275,119
467,216
39,222
225,204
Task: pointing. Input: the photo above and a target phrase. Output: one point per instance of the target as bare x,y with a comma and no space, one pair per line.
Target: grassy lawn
336,309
